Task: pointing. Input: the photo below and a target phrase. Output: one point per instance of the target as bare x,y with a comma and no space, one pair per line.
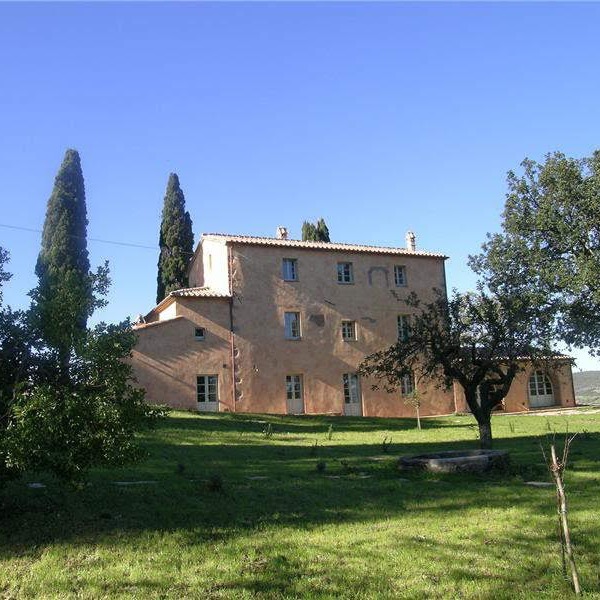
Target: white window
407,384
351,388
348,330
345,273
400,275
539,384
293,385
207,388
292,325
290,269
199,333
403,327
294,394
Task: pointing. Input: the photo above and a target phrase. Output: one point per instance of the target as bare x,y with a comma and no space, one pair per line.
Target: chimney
411,241
282,233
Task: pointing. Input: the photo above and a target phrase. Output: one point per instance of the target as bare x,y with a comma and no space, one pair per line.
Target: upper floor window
292,325
345,273
399,275
290,269
403,327
407,384
199,333
349,330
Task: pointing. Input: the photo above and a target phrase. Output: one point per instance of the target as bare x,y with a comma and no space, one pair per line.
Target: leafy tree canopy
176,241
475,339
549,249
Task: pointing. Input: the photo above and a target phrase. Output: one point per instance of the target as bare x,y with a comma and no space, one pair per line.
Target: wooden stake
557,468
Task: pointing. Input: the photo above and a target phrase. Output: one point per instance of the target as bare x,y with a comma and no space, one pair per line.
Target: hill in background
587,387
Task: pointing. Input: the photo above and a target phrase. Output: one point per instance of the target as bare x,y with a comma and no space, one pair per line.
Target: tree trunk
485,434
418,418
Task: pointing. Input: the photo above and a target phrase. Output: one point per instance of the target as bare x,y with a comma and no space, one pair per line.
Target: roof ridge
271,241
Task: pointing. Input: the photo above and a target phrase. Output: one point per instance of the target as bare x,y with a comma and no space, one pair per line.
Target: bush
66,428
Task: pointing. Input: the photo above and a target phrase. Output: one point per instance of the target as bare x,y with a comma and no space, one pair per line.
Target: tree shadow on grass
241,423
268,484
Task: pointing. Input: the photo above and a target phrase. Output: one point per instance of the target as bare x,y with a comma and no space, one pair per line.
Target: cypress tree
176,241
315,233
309,232
63,299
322,231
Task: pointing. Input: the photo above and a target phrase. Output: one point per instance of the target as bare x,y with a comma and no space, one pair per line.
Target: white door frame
537,400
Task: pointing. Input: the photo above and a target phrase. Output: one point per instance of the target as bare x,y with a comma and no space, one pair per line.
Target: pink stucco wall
245,343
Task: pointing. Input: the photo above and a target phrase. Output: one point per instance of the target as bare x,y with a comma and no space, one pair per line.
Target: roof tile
265,241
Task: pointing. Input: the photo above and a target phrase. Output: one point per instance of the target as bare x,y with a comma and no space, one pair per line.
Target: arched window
540,390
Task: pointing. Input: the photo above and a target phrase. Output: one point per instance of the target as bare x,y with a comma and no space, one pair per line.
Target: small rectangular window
199,333
403,327
207,388
290,269
400,275
345,273
349,330
407,384
351,388
292,325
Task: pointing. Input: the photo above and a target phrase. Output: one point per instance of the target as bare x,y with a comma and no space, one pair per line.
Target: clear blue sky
378,117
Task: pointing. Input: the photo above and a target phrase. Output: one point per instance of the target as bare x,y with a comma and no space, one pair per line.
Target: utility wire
90,239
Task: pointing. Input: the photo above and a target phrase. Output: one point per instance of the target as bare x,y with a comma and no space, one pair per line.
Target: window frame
541,380
294,268
352,324
341,273
400,269
288,326
407,384
209,380
403,327
296,389
350,383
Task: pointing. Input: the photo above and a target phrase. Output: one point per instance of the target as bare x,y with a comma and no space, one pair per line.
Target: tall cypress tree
63,299
322,230
315,233
176,241
309,232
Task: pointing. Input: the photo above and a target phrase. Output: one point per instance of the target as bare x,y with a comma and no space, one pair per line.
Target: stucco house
274,325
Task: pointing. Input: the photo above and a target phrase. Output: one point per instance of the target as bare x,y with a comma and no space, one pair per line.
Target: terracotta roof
154,323
265,241
198,292
195,292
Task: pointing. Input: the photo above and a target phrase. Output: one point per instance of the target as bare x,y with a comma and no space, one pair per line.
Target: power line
90,239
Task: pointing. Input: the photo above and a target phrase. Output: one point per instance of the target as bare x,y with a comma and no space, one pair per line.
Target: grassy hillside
231,506
587,387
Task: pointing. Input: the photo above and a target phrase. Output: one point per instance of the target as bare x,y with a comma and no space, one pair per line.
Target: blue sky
378,117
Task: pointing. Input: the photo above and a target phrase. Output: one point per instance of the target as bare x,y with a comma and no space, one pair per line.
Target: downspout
444,277
231,334
570,365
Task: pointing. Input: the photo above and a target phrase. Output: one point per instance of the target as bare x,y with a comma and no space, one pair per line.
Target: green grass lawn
279,528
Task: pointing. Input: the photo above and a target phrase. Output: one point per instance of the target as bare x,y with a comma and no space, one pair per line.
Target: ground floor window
351,388
540,389
293,384
294,394
407,384
207,388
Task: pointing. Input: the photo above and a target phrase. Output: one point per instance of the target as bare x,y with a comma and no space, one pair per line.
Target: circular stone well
457,461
